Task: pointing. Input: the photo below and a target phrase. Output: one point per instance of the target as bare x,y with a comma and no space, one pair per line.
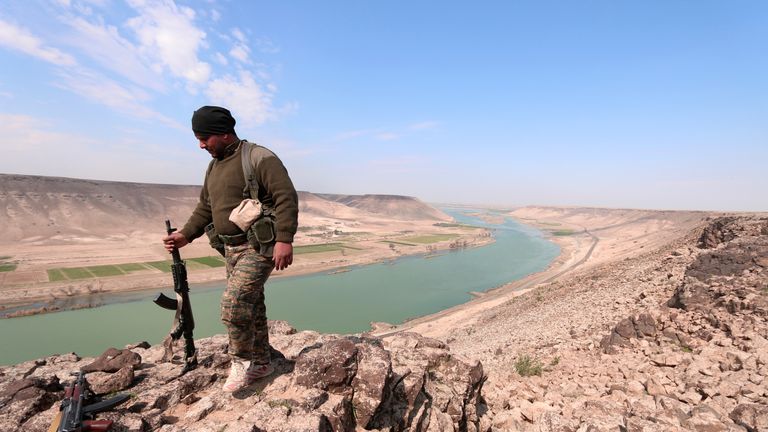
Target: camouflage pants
243,311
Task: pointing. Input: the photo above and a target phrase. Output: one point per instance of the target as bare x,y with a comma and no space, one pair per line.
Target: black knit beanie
212,120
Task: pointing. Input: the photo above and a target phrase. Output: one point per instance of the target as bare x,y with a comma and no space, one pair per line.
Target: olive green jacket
223,191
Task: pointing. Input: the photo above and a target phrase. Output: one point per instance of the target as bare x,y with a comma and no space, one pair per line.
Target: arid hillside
66,238
393,206
57,209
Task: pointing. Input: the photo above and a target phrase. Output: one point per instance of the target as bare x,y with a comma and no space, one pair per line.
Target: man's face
213,144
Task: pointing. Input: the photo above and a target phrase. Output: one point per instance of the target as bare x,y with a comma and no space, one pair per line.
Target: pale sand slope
598,236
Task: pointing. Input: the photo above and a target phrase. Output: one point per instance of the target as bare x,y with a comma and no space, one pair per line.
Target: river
346,302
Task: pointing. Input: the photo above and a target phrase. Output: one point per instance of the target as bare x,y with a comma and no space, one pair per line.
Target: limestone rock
751,416
105,383
112,360
407,382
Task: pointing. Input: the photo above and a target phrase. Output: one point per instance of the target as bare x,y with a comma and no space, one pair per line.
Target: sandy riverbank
572,250
587,237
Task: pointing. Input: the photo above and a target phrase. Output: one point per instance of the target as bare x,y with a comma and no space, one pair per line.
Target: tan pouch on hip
245,213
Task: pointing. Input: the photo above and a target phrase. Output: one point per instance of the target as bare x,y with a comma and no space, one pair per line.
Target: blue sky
653,104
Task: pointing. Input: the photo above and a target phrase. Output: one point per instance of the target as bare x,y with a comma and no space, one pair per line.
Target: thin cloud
99,89
28,133
167,34
240,51
79,155
155,50
20,39
32,137
221,58
251,101
266,46
239,35
387,136
104,44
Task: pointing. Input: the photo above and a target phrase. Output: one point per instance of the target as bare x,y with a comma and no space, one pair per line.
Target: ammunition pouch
261,235
213,238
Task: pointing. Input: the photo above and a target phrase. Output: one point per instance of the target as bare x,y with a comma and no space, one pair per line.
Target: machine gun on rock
76,415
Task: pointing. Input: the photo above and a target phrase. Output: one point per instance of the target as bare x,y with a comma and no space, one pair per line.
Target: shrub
526,365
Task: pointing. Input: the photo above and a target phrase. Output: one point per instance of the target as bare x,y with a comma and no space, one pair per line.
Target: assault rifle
183,322
75,416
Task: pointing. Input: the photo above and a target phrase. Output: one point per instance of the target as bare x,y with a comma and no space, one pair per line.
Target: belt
234,240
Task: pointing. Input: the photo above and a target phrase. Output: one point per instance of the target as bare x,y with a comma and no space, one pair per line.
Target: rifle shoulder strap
205,180
252,155
251,189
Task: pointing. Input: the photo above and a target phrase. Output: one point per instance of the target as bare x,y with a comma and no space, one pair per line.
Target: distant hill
58,208
392,206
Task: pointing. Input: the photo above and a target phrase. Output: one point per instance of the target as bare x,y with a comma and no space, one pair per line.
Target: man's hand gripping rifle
183,322
76,416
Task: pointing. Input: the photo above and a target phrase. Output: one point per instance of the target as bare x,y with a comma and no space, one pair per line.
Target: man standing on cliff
250,253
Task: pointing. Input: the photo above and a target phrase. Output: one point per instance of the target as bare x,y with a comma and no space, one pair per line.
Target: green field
105,270
431,238
325,247
446,224
163,266
397,242
192,264
132,267
55,275
456,225
565,232
6,266
60,274
77,273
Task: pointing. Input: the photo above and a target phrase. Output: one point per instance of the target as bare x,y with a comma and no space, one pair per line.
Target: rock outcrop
322,383
675,339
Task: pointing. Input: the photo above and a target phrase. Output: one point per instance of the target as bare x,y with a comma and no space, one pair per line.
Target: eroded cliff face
322,383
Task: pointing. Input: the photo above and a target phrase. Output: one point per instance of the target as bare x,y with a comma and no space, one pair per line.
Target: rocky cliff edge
321,383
